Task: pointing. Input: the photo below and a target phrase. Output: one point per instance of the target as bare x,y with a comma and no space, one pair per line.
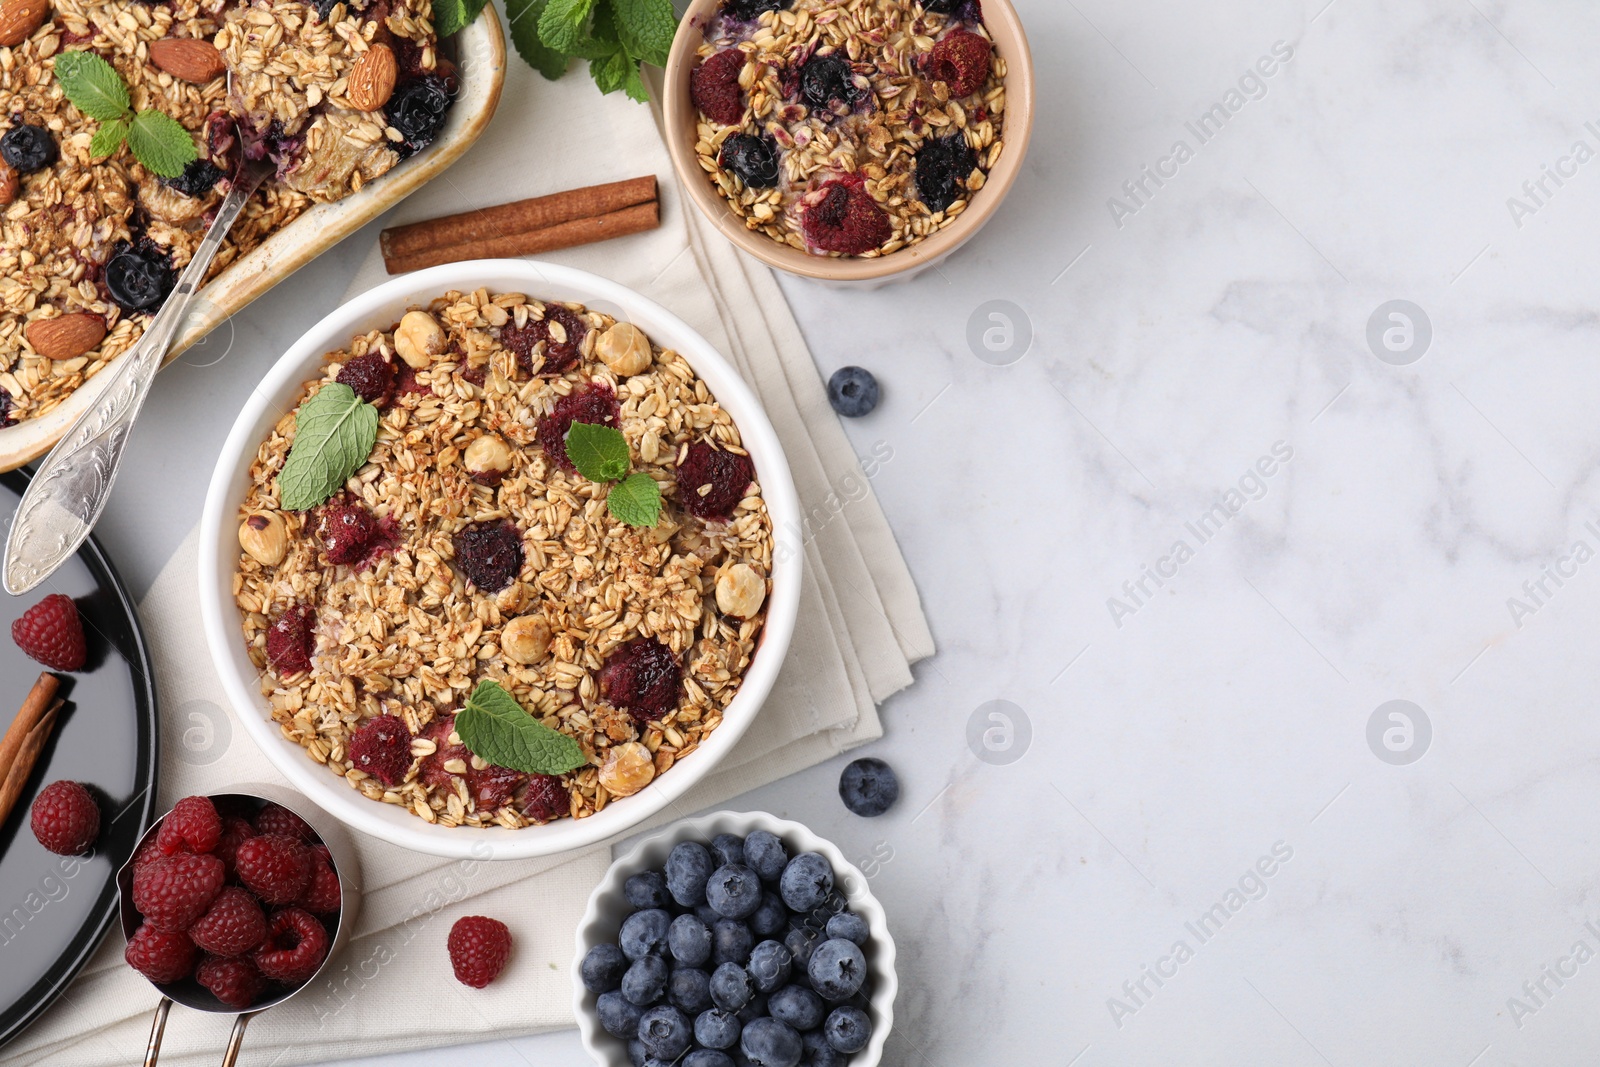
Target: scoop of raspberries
65,818
479,948
714,87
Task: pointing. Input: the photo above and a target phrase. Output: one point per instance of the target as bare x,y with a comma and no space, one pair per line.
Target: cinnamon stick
40,697
25,740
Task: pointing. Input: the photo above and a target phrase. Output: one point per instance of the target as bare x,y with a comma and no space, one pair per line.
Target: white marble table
1214,847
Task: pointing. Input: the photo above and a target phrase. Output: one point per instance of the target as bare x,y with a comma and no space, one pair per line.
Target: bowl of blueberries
734,939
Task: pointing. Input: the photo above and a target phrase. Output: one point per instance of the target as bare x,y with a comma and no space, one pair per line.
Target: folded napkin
860,628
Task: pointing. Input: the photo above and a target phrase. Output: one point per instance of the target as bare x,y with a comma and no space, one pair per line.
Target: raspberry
840,216
322,893
295,947
148,853
277,819
546,798
191,826
173,891
371,376
346,528
961,60
489,554
493,787
290,640
432,770
274,867
234,830
407,384
479,948
711,482
714,87
382,748
233,925
642,677
593,403
51,633
65,818
160,955
235,982
559,356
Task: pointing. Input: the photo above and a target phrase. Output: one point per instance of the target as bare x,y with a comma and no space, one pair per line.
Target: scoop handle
157,1028
235,1039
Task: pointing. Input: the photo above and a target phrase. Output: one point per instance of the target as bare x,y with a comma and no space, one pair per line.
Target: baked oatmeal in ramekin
468,549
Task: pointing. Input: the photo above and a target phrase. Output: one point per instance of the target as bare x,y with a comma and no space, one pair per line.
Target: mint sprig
601,455
334,433
615,36
496,728
155,138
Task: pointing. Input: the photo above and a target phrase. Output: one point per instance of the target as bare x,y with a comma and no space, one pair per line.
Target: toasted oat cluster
848,127
468,548
98,242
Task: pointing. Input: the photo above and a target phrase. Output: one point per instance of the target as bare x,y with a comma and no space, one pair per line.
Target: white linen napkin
860,628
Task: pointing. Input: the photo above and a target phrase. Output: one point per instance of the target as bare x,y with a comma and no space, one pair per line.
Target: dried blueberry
943,166
941,7
197,178
751,9
828,82
752,159
27,148
418,109
6,417
139,277
489,554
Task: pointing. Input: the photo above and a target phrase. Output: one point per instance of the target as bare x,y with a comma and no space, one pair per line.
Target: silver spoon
67,494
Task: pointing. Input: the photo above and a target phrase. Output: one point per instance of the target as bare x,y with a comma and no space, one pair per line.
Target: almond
9,184
188,59
372,80
18,20
66,336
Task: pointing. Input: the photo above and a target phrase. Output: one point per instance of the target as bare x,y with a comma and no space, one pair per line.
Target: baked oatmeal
848,127
466,552
334,93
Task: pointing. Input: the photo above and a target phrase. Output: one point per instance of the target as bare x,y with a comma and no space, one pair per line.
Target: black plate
54,910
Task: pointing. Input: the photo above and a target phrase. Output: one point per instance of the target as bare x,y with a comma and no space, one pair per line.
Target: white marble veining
1206,743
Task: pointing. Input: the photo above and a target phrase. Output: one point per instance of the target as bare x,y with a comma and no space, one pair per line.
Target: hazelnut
624,348
740,591
487,459
628,768
264,536
418,338
9,184
526,638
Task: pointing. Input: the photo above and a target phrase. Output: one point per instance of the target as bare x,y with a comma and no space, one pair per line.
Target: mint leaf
599,452
159,142
93,85
633,83
522,16
448,16
611,72
334,433
646,28
498,729
636,501
108,138
562,22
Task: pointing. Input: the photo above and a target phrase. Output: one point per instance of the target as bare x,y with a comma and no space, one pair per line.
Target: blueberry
827,81
644,933
752,159
755,1009
818,1052
637,1054
769,965
941,7
689,940
618,1016
418,109
731,942
726,849
770,918
853,392
666,1032
748,10
707,1058
139,278
717,1028
197,178
602,968
943,166
647,890
734,891
688,869
770,1043
848,1029
797,1006
805,884
27,148
801,943
689,990
837,969
646,981
731,988
707,914
848,925
765,854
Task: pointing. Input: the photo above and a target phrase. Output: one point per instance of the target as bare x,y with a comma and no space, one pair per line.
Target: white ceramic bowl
279,389
608,907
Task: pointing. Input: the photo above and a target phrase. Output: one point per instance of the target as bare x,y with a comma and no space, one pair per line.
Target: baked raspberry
290,640
479,948
51,633
711,481
295,947
233,925
236,982
192,825
714,87
431,770
840,216
371,376
234,830
274,867
160,955
561,345
382,748
277,819
591,402
489,554
322,893
546,798
493,787
643,678
65,818
406,382
960,59
174,891
346,528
